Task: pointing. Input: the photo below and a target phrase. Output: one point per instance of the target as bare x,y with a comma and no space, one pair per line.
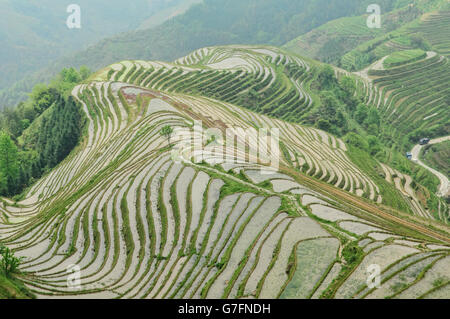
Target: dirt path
444,186
364,73
378,65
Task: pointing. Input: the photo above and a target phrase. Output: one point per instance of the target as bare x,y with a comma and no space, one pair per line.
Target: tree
167,131
361,113
419,42
85,72
329,104
326,77
357,141
373,117
348,84
374,145
9,263
70,75
9,165
324,125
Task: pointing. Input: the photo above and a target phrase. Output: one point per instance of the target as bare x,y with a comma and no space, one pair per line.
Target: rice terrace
293,166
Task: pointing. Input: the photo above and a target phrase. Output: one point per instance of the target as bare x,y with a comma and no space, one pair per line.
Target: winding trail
444,186
379,66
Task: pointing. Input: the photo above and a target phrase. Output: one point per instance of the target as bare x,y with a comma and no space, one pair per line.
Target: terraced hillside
437,156
146,219
265,80
228,74
415,97
349,43
262,79
407,85
331,42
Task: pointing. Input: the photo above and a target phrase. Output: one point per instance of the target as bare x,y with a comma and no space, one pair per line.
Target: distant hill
331,41
214,22
166,9
34,33
348,42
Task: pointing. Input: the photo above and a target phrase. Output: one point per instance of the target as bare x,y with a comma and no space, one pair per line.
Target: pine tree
9,165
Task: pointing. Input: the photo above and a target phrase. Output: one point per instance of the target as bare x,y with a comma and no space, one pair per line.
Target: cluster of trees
40,132
343,114
331,116
326,116
9,263
9,165
340,111
368,117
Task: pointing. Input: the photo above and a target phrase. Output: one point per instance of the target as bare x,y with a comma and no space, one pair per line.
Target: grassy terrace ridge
11,288
403,57
141,224
277,80
411,98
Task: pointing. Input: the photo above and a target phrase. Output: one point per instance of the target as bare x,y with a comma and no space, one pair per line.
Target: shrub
357,141
9,263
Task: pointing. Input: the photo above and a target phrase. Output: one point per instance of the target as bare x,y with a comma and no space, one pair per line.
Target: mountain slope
331,41
34,34
349,43
262,79
414,97
11,289
142,218
421,33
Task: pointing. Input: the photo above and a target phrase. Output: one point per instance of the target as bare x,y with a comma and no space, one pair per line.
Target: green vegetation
11,287
167,132
403,57
352,255
40,132
9,169
9,264
437,156
419,93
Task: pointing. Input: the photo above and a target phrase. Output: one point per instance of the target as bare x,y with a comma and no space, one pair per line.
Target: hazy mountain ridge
35,34
212,23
